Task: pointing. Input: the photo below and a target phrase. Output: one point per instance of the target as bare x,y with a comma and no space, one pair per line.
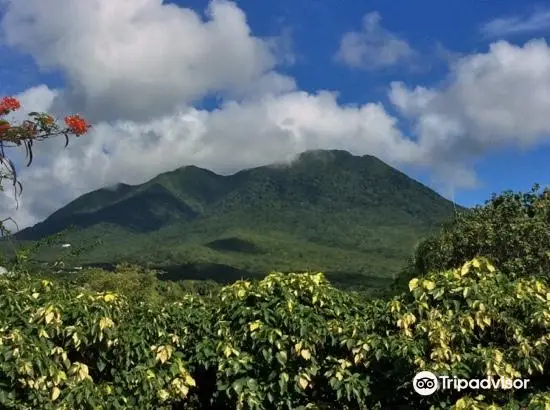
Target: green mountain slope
355,218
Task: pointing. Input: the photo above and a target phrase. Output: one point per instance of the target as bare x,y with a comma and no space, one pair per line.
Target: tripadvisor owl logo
425,383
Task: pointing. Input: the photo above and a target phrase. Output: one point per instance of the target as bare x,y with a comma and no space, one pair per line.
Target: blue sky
345,74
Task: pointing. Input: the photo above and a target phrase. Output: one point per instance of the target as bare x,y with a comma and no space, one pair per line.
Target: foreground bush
288,341
65,348
511,229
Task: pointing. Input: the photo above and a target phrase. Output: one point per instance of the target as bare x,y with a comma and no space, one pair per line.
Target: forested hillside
355,218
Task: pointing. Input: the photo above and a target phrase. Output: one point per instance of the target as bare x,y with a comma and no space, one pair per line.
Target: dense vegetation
511,229
290,340
354,218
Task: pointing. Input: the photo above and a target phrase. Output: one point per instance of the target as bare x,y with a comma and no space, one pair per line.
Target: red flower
76,124
8,104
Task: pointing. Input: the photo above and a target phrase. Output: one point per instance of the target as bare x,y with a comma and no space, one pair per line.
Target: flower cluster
42,122
8,104
76,124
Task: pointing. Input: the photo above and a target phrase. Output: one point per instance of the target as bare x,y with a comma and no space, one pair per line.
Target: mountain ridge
317,212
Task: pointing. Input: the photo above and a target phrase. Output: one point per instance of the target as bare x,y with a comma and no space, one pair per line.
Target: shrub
511,229
63,347
289,341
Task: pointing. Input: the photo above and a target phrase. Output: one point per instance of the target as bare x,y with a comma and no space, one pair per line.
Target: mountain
356,218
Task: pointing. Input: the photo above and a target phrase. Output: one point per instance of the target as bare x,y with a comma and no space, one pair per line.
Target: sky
456,94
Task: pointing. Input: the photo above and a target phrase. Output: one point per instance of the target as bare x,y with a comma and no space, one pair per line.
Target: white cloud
139,58
536,21
492,100
373,47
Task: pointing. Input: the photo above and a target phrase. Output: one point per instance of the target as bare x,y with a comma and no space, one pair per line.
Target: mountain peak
325,153
322,156
327,210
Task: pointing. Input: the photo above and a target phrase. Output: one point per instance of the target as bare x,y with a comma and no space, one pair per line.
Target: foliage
289,341
69,349
137,283
511,229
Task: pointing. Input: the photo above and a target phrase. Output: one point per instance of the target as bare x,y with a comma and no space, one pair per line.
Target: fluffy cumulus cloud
373,47
136,67
139,58
495,99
